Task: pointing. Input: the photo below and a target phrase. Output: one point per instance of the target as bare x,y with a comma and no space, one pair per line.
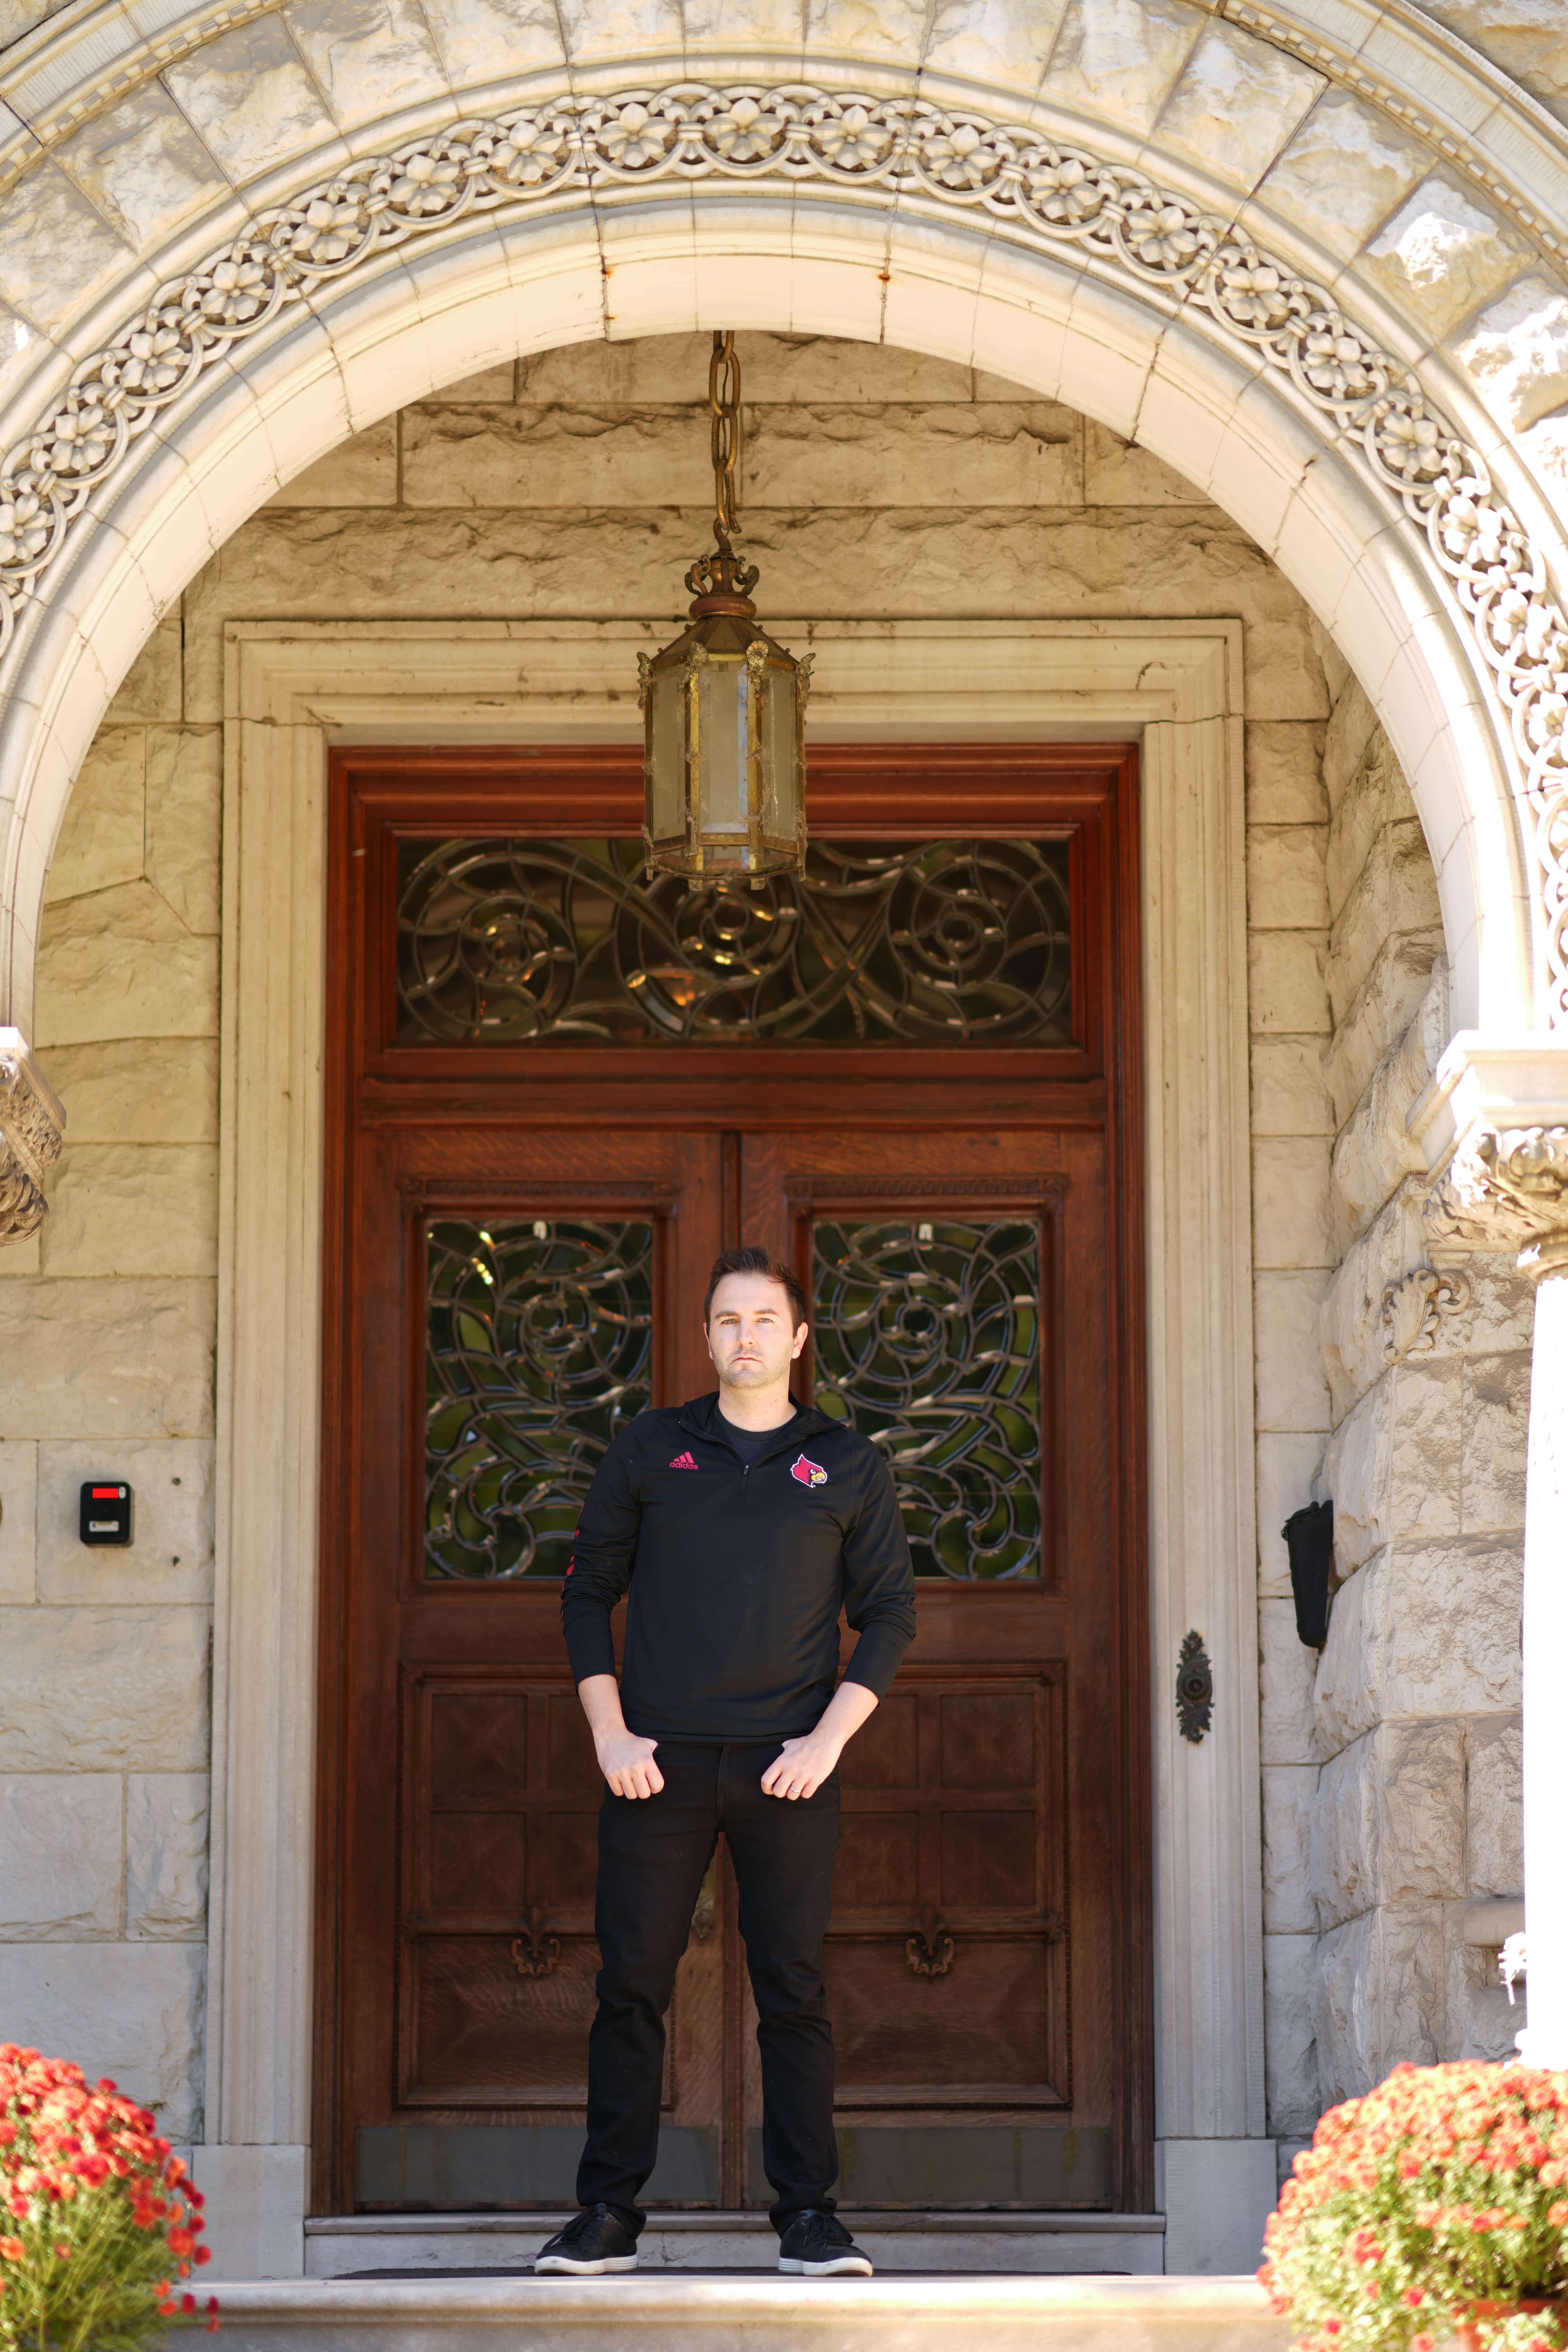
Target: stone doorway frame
292,688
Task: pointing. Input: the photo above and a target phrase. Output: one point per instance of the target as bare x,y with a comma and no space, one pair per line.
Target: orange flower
12,2249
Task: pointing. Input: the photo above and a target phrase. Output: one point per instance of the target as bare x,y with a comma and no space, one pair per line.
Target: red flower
12,2249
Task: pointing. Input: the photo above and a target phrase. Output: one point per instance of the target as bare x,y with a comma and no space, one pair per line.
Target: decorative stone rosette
1119,222
32,1125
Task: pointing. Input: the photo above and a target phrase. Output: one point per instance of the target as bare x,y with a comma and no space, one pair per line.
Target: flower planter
1468,2335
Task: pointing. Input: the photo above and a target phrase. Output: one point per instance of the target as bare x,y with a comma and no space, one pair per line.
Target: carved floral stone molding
1414,1306
1048,196
1505,1188
32,1124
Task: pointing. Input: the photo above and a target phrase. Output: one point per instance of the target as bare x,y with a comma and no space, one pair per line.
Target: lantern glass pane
667,758
723,792
781,752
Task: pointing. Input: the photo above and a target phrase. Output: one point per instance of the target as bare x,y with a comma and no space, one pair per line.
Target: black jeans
653,1851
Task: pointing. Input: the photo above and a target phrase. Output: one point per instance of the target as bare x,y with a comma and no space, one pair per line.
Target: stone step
1128,2243
646,2313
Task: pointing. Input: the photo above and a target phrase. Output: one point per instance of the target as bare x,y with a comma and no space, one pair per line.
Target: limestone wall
576,484
1415,1812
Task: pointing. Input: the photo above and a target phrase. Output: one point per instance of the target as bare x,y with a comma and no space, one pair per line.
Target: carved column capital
32,1125
1505,1188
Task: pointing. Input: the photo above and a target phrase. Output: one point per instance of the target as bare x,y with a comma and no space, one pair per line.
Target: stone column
1511,1185
31,1125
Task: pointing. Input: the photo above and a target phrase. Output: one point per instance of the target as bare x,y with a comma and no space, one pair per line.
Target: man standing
741,1524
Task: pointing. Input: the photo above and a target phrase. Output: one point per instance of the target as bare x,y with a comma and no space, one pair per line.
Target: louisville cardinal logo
809,1473
684,1462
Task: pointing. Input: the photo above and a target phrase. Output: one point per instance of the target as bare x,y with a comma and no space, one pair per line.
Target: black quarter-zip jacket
737,1573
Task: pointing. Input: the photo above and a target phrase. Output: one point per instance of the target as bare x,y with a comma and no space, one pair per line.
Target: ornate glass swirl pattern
539,1338
544,942
927,1337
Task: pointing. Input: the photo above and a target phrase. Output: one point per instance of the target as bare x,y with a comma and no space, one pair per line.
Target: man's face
749,1334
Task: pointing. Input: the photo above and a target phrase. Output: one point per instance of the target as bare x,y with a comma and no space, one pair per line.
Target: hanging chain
724,401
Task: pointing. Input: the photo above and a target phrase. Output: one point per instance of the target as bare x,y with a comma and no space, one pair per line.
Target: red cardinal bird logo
810,1474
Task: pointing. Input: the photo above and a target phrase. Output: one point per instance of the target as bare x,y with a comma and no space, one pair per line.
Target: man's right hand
627,1763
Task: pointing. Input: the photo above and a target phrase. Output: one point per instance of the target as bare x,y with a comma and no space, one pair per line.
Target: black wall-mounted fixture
1309,1536
1194,1689
105,1511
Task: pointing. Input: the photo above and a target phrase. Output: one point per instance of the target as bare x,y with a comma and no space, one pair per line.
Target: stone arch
1128,290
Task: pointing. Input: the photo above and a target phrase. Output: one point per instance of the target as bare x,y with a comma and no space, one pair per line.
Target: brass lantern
724,705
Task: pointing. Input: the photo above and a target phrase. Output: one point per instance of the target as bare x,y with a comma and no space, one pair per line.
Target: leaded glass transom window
516,942
538,1349
926,1338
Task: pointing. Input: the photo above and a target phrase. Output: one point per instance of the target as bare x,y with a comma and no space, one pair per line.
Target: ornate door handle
534,1953
930,1951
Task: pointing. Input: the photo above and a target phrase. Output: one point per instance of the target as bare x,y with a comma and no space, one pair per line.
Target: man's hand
803,1765
627,1763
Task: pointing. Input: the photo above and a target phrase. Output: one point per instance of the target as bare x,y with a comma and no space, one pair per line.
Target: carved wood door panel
555,1092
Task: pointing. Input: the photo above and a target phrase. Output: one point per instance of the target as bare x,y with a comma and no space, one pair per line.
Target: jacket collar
703,1418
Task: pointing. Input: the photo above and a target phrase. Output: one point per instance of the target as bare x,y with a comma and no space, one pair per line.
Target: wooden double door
527,1225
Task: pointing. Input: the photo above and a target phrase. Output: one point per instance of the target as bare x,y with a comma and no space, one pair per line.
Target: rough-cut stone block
485,40
1516,352
1426,1427
1288,1793
150,688
249,96
1421,1811
1497,1422
1285,877
988,453
18,1518
992,41
80,1360
1343,1833
1117,473
1238,101
1286,990
61,1838
138,1089
101,837
1423,1630
85,1690
1446,252
132,2011
170,1554
142,164
133,1208
1356,1472
1285,1668
165,1853
184,804
1122,62
1394,892
1285,773
360,472
1291,1202
370,57
1288,1092
1355,1338
813,368
1289,2049
56,249
1378,1997
1292,1390
1382,1010
1479,2020
1287,1464
1374,1151
1352,730
1344,170
1494,1826
122,964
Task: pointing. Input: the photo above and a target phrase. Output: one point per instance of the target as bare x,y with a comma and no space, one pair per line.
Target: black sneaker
593,2241
819,2245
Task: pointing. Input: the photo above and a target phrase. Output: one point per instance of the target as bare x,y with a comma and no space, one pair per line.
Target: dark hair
762,1261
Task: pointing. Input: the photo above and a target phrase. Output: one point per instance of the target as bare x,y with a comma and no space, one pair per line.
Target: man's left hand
802,1766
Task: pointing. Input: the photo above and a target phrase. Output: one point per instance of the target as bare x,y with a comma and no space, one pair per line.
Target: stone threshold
363,2246
772,2313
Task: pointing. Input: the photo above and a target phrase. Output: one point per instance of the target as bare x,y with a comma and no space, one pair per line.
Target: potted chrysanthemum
98,2223
1436,2207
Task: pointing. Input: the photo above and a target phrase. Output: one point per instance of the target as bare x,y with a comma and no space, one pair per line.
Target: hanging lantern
724,705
